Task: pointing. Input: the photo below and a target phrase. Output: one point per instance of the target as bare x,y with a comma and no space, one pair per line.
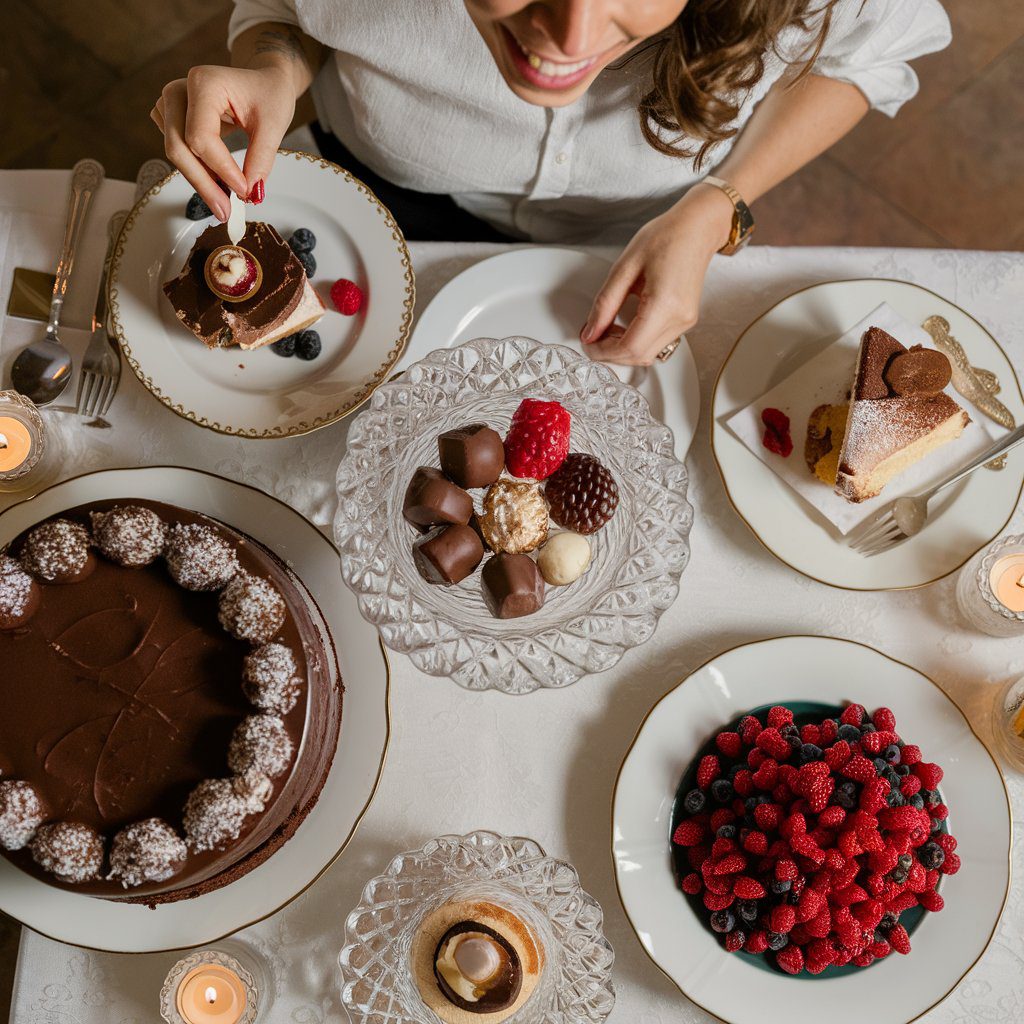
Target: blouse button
561,158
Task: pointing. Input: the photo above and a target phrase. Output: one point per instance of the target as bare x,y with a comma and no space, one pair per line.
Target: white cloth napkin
827,378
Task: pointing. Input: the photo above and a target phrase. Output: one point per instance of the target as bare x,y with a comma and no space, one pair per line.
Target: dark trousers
422,216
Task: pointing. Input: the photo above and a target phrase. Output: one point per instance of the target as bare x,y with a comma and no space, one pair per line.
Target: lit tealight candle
15,444
211,994
23,444
1006,578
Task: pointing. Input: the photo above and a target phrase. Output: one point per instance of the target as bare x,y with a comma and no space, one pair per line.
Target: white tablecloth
544,765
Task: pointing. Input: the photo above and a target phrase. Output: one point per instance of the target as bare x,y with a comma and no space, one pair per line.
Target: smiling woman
434,104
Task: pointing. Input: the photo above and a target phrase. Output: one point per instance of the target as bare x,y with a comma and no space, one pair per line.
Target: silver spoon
42,369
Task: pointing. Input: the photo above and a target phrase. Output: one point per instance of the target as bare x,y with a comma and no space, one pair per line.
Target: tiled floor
78,77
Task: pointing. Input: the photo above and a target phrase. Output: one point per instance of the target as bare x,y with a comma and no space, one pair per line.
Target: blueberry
810,752
789,729
777,941
892,778
721,789
750,821
850,733
846,795
740,936
285,346
931,856
308,262
723,921
197,208
931,797
894,798
906,861
916,801
903,770
879,764
866,728
302,240
307,346
754,801
694,801
888,921
735,770
779,888
899,876
726,832
748,910
892,754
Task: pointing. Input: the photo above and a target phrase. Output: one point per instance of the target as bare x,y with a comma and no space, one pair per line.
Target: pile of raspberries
807,844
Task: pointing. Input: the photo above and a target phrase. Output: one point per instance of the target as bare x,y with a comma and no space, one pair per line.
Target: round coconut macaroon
199,558
260,742
146,851
270,679
58,552
19,594
251,609
130,535
71,851
21,813
254,789
214,814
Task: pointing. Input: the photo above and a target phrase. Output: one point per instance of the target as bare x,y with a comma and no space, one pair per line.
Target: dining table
541,765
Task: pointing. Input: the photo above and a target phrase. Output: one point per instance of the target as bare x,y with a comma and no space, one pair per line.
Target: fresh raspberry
820,925
931,900
730,864
347,297
729,743
951,865
832,817
756,757
747,888
879,949
811,904
779,716
838,754
749,728
899,939
875,742
767,775
720,886
807,847
790,959
720,817
945,842
708,770
929,774
819,794
688,833
721,847
910,754
940,812
786,870
715,902
538,439
756,843
743,783
932,877
900,902
905,817
848,895
777,438
810,733
757,941
794,825
734,940
853,714
910,785
885,720
782,918
697,855
692,884
858,768
582,494
771,742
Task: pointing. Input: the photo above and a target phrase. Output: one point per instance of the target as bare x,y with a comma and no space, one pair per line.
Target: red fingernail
258,193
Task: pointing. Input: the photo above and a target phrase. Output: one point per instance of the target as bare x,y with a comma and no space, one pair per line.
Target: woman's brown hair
706,61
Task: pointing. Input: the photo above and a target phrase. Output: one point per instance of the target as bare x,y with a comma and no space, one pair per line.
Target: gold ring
667,351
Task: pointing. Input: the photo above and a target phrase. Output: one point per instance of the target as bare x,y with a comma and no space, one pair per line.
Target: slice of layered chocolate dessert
899,413
283,304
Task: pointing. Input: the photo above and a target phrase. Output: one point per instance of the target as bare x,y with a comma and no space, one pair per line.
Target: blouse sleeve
252,12
870,42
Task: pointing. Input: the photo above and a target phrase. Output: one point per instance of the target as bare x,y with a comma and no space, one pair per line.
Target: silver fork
905,517
101,365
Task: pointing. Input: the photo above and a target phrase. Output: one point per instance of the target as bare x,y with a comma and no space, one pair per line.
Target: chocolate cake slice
898,413
284,304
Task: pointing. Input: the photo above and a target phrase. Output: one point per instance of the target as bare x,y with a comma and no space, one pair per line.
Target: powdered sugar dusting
253,788
269,679
15,590
21,813
71,851
260,742
146,851
251,609
129,535
57,550
213,815
198,558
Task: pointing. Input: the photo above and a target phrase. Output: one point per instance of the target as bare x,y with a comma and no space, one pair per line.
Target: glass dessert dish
586,626
989,590
395,963
1008,722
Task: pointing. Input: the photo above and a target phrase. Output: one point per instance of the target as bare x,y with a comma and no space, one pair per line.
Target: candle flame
211,995
3,440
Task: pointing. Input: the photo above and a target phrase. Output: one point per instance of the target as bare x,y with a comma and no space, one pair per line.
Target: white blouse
412,90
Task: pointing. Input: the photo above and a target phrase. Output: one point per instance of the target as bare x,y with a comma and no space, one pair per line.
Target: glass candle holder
382,962
28,455
1008,722
214,986
990,590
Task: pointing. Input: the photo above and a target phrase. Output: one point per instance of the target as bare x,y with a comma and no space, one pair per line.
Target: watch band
742,219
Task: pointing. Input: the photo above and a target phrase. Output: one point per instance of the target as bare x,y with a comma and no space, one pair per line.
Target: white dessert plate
546,293
260,394
962,520
735,987
327,829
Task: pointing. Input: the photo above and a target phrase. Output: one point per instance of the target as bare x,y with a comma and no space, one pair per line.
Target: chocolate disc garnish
920,372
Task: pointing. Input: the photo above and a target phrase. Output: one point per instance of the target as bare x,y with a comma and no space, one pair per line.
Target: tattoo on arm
284,41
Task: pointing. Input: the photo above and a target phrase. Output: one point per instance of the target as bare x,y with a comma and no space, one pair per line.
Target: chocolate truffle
214,814
198,558
21,813
270,679
515,516
431,499
260,742
130,535
448,554
19,594
250,608
512,586
918,371
477,968
472,456
146,851
69,850
564,559
57,552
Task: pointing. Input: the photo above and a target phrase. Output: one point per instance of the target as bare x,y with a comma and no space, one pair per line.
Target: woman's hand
664,266
193,113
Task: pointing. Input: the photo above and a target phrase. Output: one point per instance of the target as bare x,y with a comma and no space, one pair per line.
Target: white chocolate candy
564,559
467,962
229,269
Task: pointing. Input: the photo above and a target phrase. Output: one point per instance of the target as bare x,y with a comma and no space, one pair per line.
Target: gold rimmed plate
809,670
259,394
327,829
963,519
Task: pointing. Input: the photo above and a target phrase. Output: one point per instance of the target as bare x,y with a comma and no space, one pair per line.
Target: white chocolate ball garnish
564,559
478,957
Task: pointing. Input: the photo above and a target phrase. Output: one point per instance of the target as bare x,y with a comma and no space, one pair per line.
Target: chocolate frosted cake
284,302
171,709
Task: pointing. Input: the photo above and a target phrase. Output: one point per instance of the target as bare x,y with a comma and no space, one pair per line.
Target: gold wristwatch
742,219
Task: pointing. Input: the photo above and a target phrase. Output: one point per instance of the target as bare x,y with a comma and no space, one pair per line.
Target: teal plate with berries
815,679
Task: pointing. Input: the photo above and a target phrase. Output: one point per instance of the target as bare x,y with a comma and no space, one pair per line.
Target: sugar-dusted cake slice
284,304
898,413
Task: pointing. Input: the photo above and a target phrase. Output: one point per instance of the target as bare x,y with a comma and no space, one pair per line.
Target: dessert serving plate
962,520
124,927
817,670
547,293
257,393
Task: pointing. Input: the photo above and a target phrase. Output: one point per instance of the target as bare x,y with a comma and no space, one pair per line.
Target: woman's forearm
285,47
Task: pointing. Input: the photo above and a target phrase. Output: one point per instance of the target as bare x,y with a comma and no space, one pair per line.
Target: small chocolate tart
497,992
211,282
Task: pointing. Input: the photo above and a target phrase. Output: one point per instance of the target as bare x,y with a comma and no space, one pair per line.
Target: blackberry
850,733
777,941
302,240
285,346
748,910
778,887
721,790
582,494
810,752
892,754
307,345
308,261
694,801
197,208
726,832
723,921
931,856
